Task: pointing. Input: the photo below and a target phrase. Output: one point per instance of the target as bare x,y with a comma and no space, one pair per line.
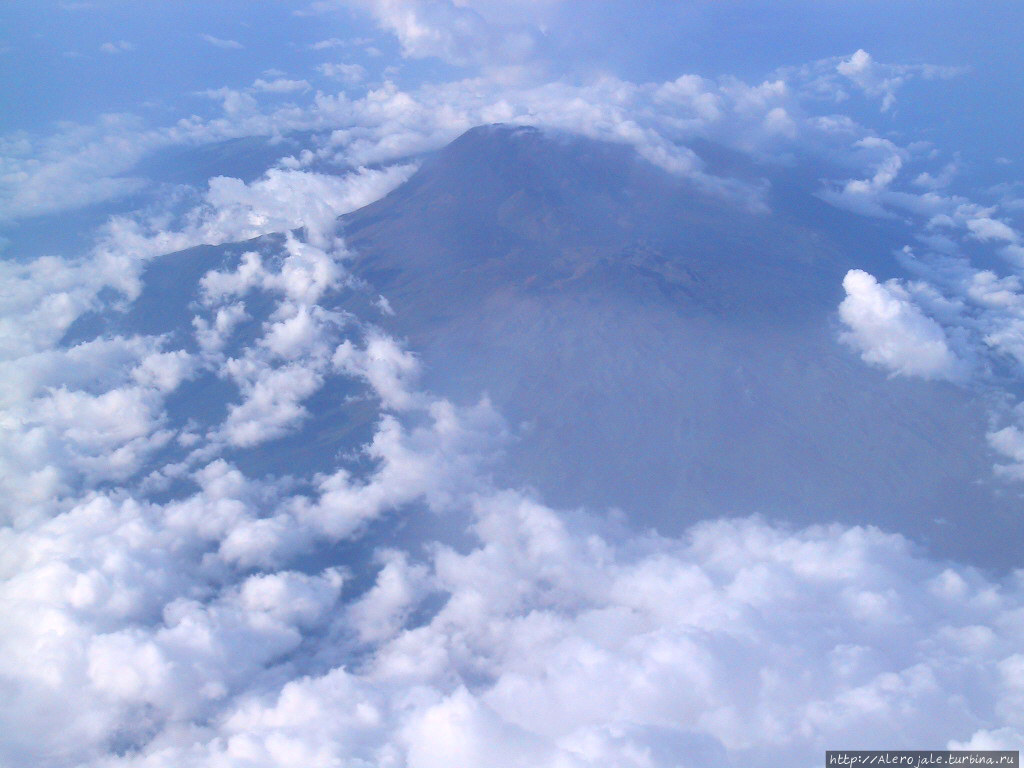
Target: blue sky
56,70
168,61
164,602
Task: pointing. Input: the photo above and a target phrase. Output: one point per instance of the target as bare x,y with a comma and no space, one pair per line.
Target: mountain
667,350
658,345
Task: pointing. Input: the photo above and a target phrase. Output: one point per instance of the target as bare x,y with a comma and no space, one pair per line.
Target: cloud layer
263,621
190,633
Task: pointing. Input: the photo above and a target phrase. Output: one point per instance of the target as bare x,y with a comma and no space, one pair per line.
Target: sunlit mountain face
468,384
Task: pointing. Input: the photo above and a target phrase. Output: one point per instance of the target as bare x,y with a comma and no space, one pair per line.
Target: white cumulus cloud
890,331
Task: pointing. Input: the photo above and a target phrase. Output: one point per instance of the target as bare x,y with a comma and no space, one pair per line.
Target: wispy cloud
831,78
281,85
220,42
121,46
336,42
346,73
322,45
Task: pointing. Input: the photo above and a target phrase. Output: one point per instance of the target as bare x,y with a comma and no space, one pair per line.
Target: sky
161,607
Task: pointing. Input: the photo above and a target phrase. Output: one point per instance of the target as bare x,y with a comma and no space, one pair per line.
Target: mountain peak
507,205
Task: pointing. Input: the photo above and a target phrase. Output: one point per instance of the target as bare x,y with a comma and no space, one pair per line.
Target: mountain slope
665,349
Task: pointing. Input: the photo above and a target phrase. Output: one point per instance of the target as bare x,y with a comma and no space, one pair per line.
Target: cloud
830,78
82,416
271,404
289,361
220,42
119,47
1009,443
867,197
889,330
861,70
459,33
323,45
985,229
281,85
389,369
939,180
334,42
77,167
287,199
41,298
102,418
212,335
85,165
281,200
346,73
553,643
288,364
